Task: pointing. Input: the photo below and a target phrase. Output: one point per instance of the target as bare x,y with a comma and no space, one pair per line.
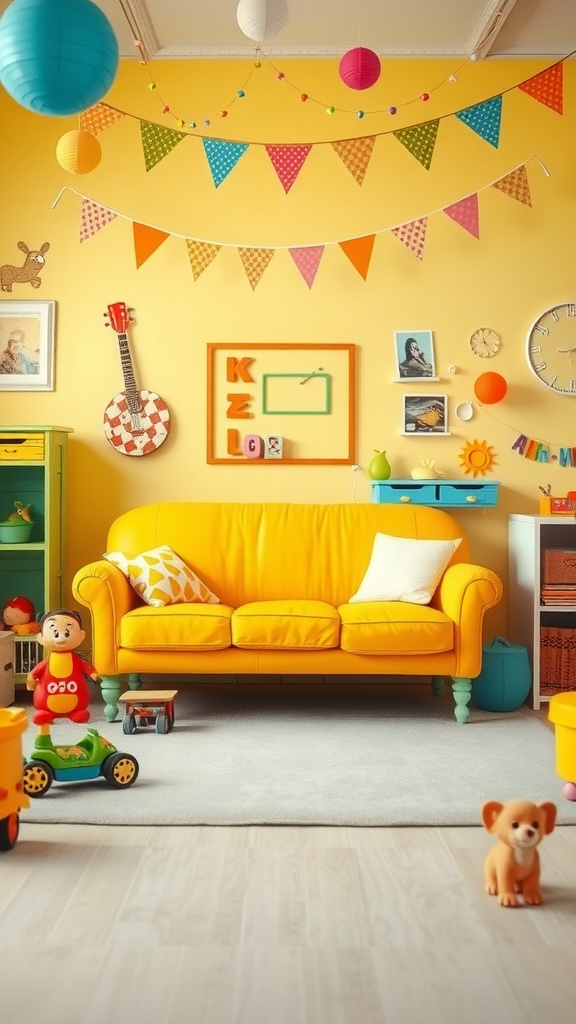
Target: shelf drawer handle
471,498
405,497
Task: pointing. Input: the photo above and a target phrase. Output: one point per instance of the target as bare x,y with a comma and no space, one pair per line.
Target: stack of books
558,594
557,660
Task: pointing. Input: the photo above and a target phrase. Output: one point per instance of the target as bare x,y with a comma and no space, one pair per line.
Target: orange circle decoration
477,457
490,388
78,152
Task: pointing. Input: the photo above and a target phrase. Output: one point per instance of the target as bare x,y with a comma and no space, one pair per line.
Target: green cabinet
33,464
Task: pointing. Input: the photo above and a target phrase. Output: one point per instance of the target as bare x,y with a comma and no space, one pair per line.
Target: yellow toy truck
13,722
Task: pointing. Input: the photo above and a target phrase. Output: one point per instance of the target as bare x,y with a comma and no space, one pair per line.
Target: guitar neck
132,394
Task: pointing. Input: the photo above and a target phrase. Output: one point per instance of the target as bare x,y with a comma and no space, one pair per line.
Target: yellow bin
562,711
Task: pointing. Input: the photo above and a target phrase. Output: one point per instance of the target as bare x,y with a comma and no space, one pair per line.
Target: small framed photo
27,346
425,414
415,355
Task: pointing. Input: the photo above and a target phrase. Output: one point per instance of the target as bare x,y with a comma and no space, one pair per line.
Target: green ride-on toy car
91,757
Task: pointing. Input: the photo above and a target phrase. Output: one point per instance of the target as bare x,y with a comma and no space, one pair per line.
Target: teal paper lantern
57,57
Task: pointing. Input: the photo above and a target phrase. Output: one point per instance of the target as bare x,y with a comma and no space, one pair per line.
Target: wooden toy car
148,707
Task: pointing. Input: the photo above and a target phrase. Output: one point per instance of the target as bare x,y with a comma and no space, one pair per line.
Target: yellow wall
522,264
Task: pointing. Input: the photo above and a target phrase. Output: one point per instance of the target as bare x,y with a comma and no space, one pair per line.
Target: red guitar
135,422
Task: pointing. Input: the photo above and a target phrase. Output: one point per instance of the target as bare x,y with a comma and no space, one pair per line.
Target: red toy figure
19,616
59,683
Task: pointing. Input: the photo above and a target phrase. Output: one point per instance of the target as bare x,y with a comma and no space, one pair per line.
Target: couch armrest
103,589
464,594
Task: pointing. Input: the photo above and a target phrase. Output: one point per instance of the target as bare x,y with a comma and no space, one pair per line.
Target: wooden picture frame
27,345
414,356
303,393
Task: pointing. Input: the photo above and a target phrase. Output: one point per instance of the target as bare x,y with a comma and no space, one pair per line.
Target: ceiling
316,28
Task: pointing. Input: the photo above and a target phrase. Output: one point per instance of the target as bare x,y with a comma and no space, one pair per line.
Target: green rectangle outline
295,412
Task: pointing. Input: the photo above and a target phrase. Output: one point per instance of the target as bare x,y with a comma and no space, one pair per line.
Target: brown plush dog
513,865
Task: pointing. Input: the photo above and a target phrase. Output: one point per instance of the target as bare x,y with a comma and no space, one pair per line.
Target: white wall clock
484,342
551,348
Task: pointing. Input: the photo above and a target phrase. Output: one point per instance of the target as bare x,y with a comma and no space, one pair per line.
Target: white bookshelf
528,537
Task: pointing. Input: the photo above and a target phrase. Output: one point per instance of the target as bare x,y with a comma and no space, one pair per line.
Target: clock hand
566,349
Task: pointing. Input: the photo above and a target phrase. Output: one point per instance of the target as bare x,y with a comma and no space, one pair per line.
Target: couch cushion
289,625
180,627
394,627
404,569
160,577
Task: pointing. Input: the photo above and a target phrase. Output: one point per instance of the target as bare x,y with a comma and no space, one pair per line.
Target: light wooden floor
278,925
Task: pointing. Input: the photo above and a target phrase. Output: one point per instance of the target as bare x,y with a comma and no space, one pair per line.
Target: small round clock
551,348
485,342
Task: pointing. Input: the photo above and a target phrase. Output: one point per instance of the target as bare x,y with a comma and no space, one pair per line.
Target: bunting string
287,159
535,449
256,258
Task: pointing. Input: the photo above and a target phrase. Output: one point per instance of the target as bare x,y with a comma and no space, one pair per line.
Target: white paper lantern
262,19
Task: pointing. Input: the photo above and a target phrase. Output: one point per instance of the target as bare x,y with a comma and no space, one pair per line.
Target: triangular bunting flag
146,241
420,141
465,213
359,252
516,185
413,235
92,218
201,255
547,87
484,119
96,119
307,259
255,262
355,155
222,157
288,162
158,142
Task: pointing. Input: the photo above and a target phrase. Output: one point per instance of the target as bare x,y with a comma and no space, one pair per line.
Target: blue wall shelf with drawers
443,493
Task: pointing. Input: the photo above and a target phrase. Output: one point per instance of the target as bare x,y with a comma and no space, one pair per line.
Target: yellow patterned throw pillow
160,577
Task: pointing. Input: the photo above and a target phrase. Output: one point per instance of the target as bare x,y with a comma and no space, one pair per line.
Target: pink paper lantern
359,68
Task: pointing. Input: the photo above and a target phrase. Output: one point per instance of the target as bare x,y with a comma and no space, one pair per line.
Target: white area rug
313,754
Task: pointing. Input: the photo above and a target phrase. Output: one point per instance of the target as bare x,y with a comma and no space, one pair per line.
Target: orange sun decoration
477,458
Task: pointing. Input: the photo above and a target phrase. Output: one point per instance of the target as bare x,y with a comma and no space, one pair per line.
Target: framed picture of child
414,355
27,345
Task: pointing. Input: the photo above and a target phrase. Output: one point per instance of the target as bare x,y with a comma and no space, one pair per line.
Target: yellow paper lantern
78,152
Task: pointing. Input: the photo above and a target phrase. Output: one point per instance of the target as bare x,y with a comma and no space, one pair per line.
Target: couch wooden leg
110,687
462,690
134,681
437,683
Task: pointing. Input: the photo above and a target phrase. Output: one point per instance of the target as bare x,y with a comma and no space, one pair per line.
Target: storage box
557,659
505,679
559,566
7,694
551,506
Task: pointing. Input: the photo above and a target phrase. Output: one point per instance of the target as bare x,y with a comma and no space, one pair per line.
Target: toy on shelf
19,616
426,470
13,722
513,865
16,528
59,680
61,691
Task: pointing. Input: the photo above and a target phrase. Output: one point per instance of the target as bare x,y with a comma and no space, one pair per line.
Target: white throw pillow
160,577
403,569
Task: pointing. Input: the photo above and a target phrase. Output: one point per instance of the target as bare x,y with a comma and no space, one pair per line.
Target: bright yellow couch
284,574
